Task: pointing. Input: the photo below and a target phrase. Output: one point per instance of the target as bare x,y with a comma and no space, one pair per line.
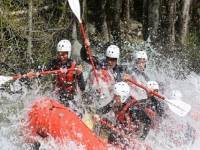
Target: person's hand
31,74
127,77
87,42
96,117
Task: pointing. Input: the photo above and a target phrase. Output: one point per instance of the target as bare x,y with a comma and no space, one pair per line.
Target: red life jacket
66,81
121,114
124,117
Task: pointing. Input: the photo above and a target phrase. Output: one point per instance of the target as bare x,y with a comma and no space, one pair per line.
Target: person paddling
150,111
126,117
109,71
121,91
109,67
67,81
134,116
138,73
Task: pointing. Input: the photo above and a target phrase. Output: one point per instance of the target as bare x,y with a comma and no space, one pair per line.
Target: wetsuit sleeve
105,109
81,82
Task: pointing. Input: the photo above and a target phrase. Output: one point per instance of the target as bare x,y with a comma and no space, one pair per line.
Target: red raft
48,117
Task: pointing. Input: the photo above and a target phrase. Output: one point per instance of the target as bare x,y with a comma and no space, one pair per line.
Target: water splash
167,72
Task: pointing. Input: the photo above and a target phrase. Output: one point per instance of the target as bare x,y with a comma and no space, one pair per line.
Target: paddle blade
75,7
4,79
179,107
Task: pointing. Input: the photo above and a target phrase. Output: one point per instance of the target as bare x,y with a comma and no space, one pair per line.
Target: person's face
141,64
63,57
112,62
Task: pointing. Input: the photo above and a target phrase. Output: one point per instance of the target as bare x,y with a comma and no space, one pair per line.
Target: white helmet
176,94
122,89
153,85
141,55
113,51
64,46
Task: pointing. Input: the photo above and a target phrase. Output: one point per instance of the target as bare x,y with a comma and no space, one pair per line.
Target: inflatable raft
48,117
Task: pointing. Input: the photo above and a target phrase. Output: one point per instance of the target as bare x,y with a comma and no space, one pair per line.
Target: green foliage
192,40
52,20
13,5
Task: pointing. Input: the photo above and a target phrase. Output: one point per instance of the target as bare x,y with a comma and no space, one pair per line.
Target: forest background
30,29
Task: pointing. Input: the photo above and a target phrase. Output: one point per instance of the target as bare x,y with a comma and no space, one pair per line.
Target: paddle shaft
42,73
75,7
146,89
88,50
121,133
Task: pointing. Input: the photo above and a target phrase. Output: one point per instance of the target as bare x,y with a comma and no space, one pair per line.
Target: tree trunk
100,22
74,31
145,18
30,27
185,21
84,10
126,10
153,18
115,26
1,24
171,20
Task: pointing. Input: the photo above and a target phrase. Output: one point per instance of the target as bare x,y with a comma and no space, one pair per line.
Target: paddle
110,126
75,7
4,79
177,106
121,133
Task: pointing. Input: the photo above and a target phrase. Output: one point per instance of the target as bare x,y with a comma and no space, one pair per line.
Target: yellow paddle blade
88,120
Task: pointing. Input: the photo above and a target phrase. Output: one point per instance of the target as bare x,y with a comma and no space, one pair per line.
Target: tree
115,21
153,18
172,15
185,18
126,10
30,27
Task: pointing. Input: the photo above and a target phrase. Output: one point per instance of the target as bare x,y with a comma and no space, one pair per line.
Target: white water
13,108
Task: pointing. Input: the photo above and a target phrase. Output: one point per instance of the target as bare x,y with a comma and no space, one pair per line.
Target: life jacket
124,117
66,81
120,115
